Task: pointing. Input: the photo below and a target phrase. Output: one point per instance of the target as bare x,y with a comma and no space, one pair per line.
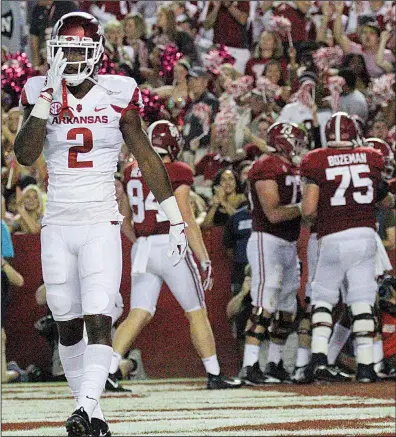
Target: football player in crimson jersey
79,120
341,190
272,251
387,153
151,267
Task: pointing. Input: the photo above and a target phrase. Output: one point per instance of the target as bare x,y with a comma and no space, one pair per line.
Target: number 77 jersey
347,180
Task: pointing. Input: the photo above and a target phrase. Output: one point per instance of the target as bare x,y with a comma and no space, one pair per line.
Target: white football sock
364,350
275,352
211,365
72,358
251,354
337,341
97,360
115,362
378,350
303,356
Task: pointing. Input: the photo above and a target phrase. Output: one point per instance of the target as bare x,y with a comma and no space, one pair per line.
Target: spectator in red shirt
210,164
269,48
229,22
302,29
106,11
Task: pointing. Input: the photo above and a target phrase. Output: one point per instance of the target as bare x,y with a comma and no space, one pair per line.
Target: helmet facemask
299,151
92,52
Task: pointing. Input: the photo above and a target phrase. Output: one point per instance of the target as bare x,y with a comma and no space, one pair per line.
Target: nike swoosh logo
93,399
99,109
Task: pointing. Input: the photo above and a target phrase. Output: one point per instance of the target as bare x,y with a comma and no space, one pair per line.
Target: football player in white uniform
150,266
79,120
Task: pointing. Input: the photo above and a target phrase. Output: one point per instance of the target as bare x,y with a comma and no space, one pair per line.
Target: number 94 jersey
148,217
82,151
347,180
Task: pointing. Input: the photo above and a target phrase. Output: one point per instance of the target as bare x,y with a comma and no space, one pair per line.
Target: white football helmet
78,30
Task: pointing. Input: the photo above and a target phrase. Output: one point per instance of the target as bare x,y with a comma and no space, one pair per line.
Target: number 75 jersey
347,180
82,152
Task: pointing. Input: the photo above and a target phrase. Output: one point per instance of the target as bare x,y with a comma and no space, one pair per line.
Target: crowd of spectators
223,72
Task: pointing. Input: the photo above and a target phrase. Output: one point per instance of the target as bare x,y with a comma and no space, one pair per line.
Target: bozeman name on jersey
82,152
347,181
148,217
272,167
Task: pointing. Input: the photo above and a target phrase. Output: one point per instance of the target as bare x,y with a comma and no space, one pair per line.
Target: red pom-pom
14,73
280,25
169,58
153,106
216,57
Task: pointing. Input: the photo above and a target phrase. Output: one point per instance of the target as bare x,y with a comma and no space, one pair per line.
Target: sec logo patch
55,108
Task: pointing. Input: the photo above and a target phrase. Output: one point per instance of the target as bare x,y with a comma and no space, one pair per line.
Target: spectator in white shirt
352,101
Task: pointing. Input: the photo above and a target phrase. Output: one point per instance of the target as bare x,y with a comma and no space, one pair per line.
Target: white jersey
82,153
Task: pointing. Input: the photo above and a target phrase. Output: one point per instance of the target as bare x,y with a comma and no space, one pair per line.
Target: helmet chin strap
108,92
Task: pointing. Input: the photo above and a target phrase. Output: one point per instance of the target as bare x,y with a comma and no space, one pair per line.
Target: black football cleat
112,384
347,377
100,428
254,376
298,376
276,373
365,373
319,370
219,382
78,424
330,374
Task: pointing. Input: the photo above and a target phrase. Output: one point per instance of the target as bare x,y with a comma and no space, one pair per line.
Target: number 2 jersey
272,167
82,152
148,217
347,180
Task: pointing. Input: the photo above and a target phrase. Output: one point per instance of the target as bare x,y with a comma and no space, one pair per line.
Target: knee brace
363,320
257,319
281,328
322,320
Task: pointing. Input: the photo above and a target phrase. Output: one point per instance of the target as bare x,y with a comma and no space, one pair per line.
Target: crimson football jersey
348,179
272,167
148,217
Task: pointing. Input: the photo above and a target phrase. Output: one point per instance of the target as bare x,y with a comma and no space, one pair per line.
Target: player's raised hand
177,242
53,81
207,273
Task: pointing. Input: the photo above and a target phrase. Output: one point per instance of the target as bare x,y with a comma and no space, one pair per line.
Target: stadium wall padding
165,343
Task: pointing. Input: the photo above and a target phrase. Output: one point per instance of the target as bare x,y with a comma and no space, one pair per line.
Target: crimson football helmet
342,131
288,139
387,153
165,138
82,31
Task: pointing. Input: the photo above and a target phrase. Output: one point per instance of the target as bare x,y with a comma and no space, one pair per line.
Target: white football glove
53,80
177,242
207,274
